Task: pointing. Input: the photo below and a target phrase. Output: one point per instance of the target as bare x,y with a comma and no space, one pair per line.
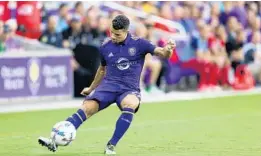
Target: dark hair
77,4
121,22
62,5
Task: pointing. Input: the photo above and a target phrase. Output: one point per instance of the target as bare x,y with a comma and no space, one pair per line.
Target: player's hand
171,45
169,48
86,91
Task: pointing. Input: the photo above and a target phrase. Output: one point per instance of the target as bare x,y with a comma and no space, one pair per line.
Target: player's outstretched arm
166,51
97,80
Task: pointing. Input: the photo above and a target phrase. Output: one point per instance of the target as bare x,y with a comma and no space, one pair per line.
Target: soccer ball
63,133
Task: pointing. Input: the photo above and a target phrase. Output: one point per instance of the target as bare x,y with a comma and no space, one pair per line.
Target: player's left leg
129,104
93,103
89,108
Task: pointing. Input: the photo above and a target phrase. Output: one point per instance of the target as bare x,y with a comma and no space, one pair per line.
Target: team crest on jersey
132,51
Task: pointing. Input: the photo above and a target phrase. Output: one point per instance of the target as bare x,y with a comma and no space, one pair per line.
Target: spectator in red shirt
28,19
5,12
204,63
219,56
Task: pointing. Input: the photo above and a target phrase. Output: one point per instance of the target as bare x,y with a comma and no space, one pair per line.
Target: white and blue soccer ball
63,133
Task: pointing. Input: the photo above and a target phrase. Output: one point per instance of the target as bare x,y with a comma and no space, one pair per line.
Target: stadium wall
36,75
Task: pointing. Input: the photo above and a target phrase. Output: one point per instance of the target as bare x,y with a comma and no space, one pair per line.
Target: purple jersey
124,63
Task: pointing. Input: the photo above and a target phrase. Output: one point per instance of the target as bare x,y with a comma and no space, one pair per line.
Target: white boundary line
136,125
173,96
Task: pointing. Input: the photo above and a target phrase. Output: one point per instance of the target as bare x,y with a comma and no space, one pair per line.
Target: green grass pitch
228,126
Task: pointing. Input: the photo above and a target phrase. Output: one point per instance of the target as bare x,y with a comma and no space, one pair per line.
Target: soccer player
116,81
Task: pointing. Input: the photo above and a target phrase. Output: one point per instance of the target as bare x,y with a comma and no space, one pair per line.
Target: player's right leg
89,108
129,103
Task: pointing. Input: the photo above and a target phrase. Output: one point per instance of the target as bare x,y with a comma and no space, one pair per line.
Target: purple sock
122,125
77,118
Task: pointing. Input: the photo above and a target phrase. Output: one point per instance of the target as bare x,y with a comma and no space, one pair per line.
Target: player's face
118,36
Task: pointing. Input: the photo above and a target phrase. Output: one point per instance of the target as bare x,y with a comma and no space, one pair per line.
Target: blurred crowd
223,35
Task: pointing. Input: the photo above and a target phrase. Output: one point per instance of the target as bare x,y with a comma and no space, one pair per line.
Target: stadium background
217,55
214,39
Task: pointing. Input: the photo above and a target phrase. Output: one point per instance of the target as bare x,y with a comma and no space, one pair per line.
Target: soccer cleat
49,143
109,149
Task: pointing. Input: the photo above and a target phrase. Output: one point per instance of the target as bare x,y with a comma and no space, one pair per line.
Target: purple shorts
106,98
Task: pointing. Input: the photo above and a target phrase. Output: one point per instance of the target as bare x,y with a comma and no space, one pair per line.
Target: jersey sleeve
146,46
103,61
